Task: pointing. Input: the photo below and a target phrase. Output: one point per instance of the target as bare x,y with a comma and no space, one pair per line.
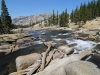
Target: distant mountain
26,20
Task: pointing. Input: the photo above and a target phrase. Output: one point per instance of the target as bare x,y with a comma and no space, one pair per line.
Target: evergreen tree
0,23
62,22
53,17
72,16
57,17
86,12
5,18
1,27
98,8
76,15
64,17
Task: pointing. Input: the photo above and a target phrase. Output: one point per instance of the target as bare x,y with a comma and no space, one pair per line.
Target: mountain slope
26,20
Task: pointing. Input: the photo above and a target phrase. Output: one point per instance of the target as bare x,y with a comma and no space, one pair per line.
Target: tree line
59,19
85,12
6,21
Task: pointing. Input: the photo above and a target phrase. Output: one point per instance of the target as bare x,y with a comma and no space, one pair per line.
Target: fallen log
49,44
34,67
44,57
60,63
51,56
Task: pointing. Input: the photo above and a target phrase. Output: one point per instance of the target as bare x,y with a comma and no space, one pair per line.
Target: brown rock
22,62
66,49
81,68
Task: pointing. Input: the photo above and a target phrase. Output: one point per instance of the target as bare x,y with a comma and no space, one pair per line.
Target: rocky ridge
26,20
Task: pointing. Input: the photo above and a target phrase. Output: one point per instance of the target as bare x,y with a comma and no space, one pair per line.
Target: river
7,62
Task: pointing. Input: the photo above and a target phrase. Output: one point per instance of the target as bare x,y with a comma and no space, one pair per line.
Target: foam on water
57,39
64,34
81,45
38,42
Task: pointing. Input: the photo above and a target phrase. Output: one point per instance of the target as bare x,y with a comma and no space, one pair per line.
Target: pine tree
66,16
64,19
86,12
57,17
0,26
53,18
72,16
98,7
0,23
5,18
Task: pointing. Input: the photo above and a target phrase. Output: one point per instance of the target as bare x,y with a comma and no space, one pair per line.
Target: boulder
6,51
91,37
81,68
57,55
60,42
66,49
83,38
8,39
69,29
5,46
23,62
94,33
15,37
59,66
43,33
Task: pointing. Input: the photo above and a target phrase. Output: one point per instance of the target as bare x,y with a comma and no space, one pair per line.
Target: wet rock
97,46
6,51
61,42
43,33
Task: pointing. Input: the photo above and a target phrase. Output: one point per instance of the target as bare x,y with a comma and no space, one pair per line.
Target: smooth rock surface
66,49
22,62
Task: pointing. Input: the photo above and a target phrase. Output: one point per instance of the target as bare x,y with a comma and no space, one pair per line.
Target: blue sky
31,7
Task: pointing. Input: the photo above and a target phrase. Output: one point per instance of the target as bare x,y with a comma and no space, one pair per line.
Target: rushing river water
7,63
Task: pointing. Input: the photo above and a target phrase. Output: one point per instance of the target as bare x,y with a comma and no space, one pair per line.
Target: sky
31,7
